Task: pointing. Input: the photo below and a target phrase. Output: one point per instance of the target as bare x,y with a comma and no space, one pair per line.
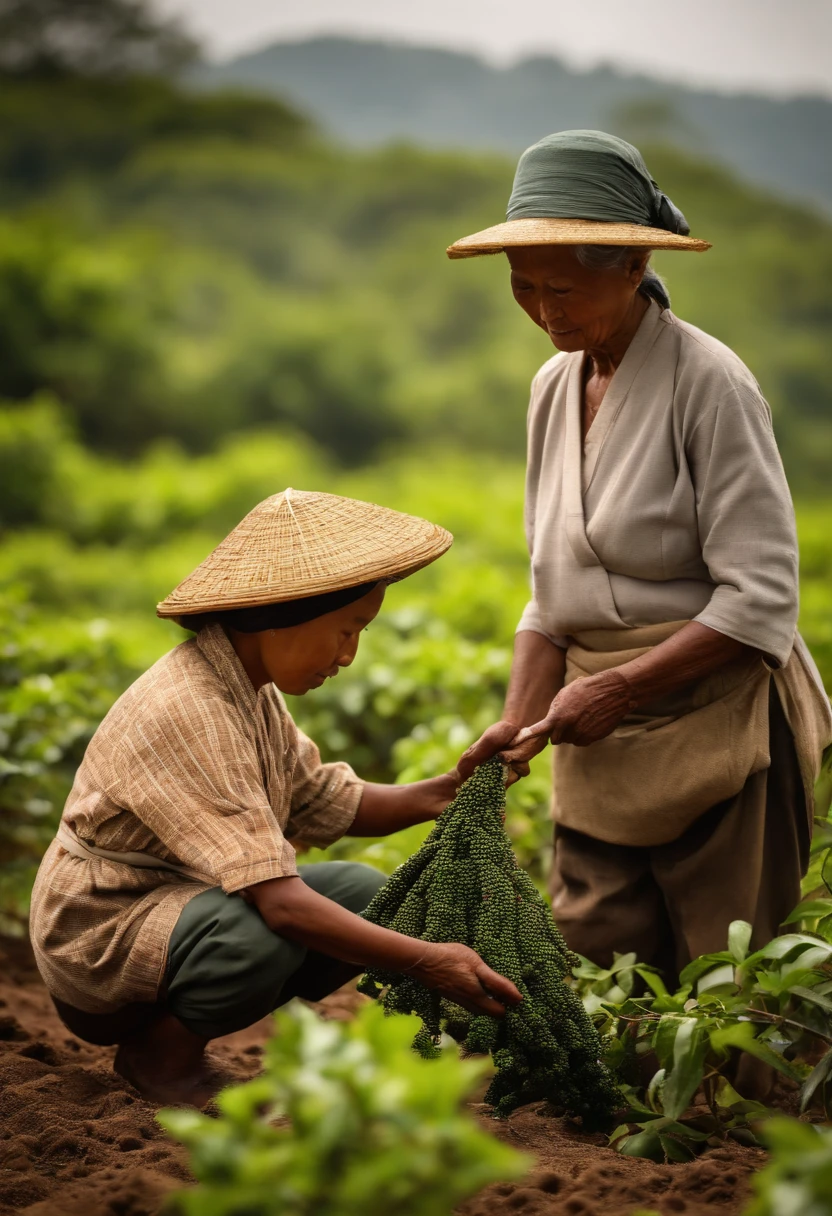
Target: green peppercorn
465,885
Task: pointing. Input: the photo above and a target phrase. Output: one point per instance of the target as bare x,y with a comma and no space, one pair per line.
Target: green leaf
699,966
654,1090
675,1150
664,1037
809,909
371,1126
742,1035
779,947
688,1064
652,980
817,1077
809,994
720,977
744,1135
739,939
684,1129
643,1144
726,1096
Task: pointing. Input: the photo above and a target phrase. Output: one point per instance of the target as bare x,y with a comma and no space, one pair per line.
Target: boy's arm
385,809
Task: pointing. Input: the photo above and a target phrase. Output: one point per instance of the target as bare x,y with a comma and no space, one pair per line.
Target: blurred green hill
177,266
203,299
370,92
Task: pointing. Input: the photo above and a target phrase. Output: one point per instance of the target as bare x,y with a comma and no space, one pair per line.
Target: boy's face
303,656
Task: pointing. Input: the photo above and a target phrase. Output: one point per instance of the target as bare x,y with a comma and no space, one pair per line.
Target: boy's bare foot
167,1064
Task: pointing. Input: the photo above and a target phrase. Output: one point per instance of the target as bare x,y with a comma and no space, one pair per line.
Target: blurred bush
183,266
202,302
33,443
57,680
90,538
367,1126
91,37
797,1181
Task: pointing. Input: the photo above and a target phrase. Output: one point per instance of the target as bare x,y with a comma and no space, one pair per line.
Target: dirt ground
76,1140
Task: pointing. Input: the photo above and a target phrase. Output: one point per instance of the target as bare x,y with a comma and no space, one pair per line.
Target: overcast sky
773,46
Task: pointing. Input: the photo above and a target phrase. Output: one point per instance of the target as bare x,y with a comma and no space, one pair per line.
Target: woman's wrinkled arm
589,709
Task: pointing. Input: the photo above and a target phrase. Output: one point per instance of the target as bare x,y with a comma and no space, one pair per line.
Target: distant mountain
373,92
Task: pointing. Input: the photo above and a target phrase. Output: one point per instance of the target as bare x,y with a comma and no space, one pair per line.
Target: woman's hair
612,257
282,615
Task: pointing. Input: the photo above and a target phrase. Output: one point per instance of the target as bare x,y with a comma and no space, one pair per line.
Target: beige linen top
193,766
675,508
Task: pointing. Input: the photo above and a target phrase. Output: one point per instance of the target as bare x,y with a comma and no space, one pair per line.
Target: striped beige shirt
192,766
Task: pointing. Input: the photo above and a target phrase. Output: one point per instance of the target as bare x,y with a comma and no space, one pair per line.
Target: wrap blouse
192,766
675,508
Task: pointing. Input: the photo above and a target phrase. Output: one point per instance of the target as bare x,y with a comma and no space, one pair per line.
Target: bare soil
77,1140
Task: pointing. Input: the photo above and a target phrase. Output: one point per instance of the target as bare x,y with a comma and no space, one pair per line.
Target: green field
202,302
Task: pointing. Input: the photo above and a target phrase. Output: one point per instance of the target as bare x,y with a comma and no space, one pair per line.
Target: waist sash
69,840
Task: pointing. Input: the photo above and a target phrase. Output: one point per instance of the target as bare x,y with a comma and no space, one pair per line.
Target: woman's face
302,657
580,309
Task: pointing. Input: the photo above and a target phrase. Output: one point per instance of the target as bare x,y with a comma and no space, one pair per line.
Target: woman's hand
491,743
583,712
460,975
536,675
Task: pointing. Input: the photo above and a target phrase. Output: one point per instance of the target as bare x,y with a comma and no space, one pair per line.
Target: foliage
182,266
106,122
772,1004
798,1178
31,446
57,680
89,37
373,1128
464,885
93,539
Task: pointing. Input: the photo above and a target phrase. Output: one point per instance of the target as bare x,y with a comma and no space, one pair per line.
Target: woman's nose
551,310
347,654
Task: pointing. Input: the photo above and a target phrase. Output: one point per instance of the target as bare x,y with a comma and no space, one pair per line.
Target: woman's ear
637,266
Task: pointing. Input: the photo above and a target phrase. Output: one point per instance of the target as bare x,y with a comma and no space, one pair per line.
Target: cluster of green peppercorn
464,885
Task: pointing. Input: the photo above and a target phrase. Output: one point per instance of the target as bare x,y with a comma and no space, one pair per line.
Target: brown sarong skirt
742,860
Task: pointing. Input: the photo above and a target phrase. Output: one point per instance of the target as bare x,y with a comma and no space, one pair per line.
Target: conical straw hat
300,543
550,231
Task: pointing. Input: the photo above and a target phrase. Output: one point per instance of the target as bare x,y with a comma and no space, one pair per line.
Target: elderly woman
170,909
658,651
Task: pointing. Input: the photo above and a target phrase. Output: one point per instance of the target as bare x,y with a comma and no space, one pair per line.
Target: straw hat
297,544
550,231
583,188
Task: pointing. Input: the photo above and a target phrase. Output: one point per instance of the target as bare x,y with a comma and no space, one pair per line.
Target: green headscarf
590,175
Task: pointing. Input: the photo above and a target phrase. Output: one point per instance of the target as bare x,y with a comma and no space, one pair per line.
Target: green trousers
226,969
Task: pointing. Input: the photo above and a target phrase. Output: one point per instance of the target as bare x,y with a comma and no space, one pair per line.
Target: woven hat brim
257,565
549,231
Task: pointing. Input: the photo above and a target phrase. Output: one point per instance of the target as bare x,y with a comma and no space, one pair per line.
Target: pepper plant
798,1179
773,1004
366,1126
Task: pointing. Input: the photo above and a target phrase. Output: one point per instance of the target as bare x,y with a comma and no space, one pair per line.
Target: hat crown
300,543
590,175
